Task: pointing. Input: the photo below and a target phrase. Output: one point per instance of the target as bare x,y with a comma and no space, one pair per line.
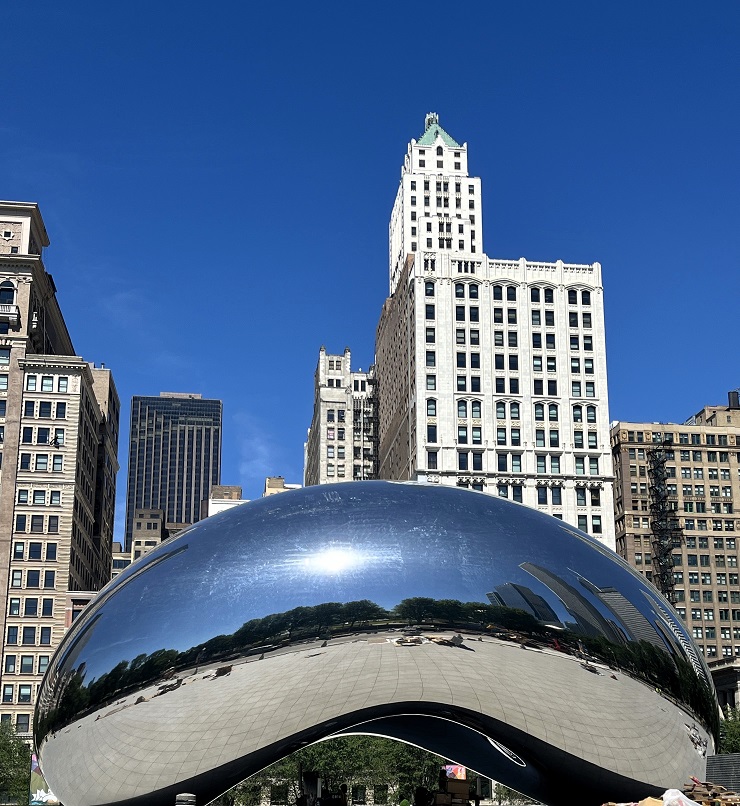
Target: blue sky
216,181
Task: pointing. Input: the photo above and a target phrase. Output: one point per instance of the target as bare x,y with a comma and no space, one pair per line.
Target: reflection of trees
672,674
365,760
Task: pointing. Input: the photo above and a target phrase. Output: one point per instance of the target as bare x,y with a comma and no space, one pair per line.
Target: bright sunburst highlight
332,560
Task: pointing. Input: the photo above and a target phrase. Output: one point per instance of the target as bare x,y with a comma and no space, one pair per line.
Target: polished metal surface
479,629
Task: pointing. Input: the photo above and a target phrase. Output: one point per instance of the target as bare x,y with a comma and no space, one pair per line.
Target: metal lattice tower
664,522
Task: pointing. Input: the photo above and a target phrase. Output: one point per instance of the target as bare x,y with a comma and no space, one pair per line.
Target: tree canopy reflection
666,671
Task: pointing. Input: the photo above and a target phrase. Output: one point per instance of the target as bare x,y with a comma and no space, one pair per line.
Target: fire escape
664,522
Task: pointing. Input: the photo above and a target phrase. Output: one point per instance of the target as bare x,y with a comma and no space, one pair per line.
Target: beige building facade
342,439
59,439
277,484
702,480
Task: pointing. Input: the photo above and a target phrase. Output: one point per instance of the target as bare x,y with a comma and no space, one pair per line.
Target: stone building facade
702,469
59,420
342,439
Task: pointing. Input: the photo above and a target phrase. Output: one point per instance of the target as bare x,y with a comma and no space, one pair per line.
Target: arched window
429,289
498,292
473,291
572,296
549,296
577,414
431,407
552,412
586,297
591,414
539,411
462,409
511,293
500,411
514,411
459,290
7,293
439,151
534,294
475,409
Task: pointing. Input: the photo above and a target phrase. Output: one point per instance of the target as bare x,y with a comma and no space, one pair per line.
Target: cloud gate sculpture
482,630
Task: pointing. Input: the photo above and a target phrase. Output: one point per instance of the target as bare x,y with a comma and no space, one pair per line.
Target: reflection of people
443,780
421,796
343,794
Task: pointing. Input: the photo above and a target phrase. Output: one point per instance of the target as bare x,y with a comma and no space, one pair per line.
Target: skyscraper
58,452
174,457
491,373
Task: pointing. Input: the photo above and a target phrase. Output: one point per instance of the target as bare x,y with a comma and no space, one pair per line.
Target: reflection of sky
384,543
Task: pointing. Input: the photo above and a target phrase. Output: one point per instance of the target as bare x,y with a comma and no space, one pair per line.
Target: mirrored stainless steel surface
485,631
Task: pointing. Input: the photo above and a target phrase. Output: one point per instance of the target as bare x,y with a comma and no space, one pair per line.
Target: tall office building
59,443
702,486
491,373
174,457
342,439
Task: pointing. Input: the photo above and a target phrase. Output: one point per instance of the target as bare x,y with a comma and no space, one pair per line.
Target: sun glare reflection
332,560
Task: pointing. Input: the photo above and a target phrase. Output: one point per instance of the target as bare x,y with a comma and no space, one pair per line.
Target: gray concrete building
59,419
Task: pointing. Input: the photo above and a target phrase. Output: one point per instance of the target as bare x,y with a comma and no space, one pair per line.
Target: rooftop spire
432,130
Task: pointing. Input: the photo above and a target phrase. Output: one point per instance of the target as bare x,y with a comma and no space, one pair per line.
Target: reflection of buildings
702,486
59,433
342,439
587,619
670,631
174,457
630,619
523,598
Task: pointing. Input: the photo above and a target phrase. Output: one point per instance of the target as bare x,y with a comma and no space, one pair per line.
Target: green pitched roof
433,130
